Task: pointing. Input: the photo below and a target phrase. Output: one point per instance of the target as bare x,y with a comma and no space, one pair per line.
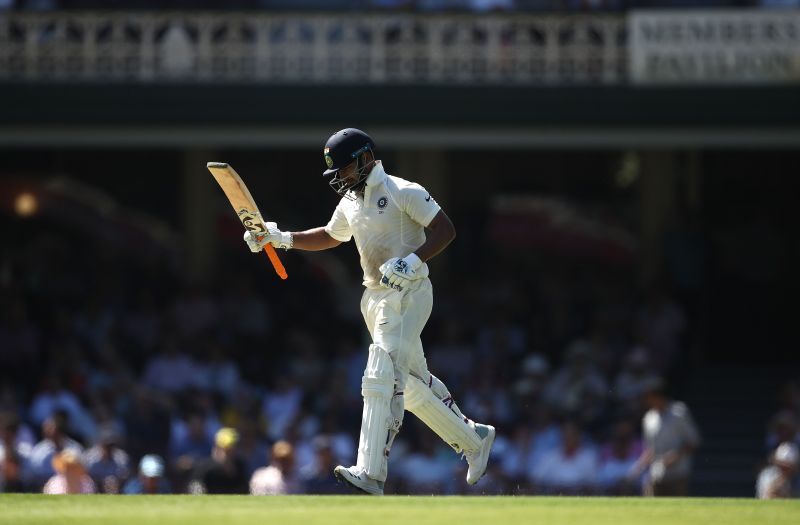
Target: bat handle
276,262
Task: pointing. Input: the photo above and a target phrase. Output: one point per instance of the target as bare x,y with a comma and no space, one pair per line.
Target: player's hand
274,236
399,274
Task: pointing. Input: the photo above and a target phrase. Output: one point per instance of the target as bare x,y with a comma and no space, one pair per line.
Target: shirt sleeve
419,205
690,432
338,227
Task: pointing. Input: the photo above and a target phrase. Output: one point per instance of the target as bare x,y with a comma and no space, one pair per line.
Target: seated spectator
545,438
147,423
171,370
15,452
55,397
107,463
425,470
70,477
319,477
217,373
253,448
569,469
12,467
617,460
531,383
55,440
777,479
578,387
151,478
15,433
454,353
483,400
279,477
224,472
281,406
513,453
192,444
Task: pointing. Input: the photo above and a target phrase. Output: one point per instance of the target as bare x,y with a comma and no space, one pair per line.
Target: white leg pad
440,390
438,414
377,388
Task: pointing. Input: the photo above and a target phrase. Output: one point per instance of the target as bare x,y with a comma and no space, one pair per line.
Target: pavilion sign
714,47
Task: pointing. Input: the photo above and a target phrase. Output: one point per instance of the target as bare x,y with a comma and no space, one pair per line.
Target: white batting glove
274,236
399,274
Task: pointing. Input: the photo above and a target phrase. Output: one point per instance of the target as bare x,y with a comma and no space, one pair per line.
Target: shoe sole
487,446
341,478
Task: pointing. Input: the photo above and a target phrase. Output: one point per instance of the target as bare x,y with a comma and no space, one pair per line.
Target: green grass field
405,510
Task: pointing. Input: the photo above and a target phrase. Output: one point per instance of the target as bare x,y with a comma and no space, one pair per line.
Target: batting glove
398,274
275,237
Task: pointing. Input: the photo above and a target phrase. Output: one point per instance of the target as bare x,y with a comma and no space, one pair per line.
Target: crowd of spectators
780,478
397,5
121,376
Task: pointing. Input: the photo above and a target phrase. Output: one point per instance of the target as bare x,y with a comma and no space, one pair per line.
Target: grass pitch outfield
389,510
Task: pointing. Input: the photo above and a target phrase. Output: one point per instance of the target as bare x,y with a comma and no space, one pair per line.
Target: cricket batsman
397,227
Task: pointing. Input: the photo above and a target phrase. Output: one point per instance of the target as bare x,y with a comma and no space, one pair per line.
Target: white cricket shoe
357,479
479,459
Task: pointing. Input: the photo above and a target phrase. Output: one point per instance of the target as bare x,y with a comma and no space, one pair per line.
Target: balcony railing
312,48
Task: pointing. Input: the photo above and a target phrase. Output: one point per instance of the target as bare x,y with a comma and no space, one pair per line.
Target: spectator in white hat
775,481
150,479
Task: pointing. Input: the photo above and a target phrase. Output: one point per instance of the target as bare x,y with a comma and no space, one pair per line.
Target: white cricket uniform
390,222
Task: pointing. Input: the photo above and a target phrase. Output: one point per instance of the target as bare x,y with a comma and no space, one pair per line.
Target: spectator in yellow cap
224,472
226,438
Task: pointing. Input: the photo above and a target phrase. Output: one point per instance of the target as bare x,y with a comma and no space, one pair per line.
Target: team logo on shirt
382,202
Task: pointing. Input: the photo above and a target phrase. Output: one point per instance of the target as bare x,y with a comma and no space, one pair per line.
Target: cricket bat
244,206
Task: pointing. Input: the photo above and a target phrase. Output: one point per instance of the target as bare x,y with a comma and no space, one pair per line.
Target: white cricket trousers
395,321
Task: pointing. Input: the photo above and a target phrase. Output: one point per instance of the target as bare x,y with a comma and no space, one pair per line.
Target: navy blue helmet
341,149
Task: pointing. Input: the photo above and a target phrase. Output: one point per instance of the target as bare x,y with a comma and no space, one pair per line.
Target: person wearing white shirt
569,469
670,439
397,227
776,480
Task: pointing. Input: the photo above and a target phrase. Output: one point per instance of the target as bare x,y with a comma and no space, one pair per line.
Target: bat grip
276,262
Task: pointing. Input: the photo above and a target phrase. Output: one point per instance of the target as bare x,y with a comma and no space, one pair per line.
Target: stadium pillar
197,203
658,206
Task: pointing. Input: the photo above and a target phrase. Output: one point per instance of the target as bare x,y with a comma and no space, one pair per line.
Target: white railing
312,48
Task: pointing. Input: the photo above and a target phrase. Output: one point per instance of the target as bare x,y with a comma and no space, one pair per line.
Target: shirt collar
377,175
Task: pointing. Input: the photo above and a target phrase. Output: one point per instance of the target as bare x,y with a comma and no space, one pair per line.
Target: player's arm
398,273
315,239
439,234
